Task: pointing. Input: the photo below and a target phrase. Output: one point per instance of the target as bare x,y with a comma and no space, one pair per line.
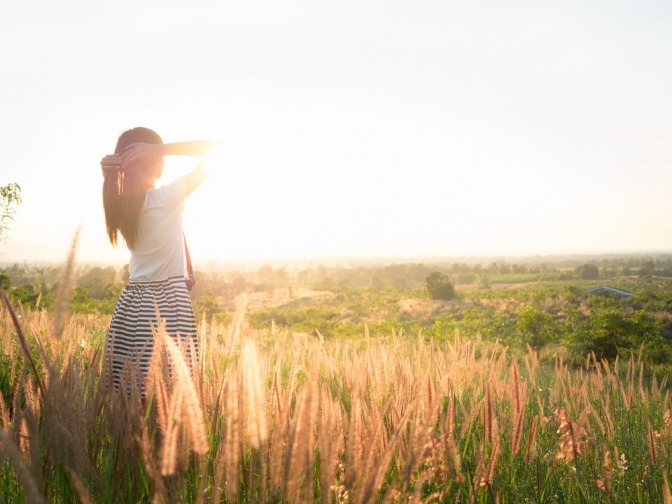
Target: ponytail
124,191
112,202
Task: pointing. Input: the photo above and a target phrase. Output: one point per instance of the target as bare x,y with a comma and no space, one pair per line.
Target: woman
150,221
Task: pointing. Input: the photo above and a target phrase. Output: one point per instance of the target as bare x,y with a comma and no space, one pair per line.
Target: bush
610,331
439,287
589,272
536,327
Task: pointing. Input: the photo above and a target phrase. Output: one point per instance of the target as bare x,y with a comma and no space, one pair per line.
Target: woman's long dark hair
124,190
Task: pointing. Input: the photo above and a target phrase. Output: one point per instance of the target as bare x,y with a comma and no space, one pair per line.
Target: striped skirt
130,337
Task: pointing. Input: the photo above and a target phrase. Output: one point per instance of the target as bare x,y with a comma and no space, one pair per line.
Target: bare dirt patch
279,297
425,309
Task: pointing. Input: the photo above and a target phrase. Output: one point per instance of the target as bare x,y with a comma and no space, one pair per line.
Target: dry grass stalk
156,384
227,457
203,347
415,440
293,374
517,393
628,396
651,443
191,405
488,475
291,482
4,414
235,334
381,455
430,391
254,394
219,481
22,340
451,448
643,396
472,413
569,438
33,446
169,449
66,282
301,442
531,437
596,417
667,495
24,439
666,431
280,416
232,447
80,488
179,412
356,441
151,466
276,401
488,415
498,365
604,483
11,451
606,408
331,442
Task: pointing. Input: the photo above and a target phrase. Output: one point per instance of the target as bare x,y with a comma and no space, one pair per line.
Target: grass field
278,416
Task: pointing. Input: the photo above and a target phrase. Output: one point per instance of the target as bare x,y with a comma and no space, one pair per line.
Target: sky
366,128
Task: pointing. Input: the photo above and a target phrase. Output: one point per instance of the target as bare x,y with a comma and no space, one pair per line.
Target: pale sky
349,128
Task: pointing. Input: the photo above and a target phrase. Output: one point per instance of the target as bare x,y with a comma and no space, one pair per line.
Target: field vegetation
347,384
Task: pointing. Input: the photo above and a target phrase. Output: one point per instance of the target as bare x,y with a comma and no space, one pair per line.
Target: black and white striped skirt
130,337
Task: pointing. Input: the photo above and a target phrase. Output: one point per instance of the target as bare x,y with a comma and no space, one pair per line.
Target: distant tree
10,197
519,269
466,278
439,287
96,281
484,283
207,305
648,268
589,272
5,282
25,295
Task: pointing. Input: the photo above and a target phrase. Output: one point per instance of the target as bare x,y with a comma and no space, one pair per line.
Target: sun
221,218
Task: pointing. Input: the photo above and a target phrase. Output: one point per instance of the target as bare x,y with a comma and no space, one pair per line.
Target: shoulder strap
190,270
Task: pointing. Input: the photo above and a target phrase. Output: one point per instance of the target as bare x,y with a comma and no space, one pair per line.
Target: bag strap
190,270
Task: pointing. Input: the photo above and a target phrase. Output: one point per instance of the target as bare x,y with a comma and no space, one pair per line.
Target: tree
610,331
439,287
5,282
588,272
536,327
10,197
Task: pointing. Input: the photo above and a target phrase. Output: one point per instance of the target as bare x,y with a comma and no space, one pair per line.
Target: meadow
331,392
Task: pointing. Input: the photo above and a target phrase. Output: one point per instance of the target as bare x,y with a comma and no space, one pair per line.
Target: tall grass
291,418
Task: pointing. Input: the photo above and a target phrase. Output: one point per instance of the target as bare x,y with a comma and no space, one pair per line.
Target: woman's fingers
135,153
111,162
111,159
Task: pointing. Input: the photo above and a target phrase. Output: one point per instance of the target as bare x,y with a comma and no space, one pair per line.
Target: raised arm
146,153
143,153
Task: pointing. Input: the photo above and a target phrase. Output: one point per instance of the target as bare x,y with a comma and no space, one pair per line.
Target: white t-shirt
159,249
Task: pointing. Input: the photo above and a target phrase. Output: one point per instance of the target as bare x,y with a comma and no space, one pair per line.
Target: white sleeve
173,194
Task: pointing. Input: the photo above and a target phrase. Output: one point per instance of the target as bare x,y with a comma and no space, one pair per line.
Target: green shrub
439,286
